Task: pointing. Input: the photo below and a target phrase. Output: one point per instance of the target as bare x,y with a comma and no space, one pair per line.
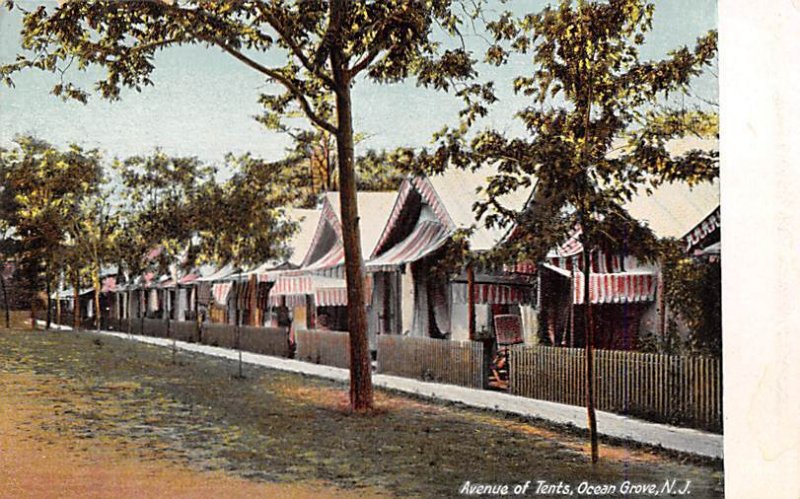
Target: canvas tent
301,290
628,292
427,213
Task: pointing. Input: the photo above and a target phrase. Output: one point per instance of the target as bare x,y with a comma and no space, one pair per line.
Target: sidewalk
683,440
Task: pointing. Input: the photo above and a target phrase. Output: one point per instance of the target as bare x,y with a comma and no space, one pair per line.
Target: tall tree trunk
48,289
589,335
6,306
471,302
97,303
33,309
254,319
361,398
58,302
129,314
196,305
76,309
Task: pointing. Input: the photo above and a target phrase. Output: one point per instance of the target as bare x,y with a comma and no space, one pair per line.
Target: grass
288,428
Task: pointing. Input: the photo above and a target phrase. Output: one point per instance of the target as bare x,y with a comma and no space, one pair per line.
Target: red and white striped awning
220,291
188,278
601,262
332,296
710,224
333,258
491,294
426,238
292,285
524,267
402,195
327,291
625,287
573,245
428,194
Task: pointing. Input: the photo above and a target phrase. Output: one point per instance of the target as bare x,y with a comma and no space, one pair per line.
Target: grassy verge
282,427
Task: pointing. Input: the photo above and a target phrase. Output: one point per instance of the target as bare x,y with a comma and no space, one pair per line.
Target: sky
203,101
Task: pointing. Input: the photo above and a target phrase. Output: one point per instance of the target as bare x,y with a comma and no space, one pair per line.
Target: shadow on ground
281,427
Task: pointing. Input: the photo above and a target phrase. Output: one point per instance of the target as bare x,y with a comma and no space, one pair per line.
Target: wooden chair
508,330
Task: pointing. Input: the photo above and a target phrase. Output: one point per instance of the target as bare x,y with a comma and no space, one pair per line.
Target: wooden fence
331,348
219,335
184,331
154,327
428,359
112,324
685,390
265,340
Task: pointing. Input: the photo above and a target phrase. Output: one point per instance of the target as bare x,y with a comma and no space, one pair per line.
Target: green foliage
44,192
160,208
693,289
385,41
243,220
596,131
383,170
175,208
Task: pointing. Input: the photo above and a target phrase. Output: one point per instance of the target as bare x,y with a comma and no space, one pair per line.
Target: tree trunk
49,317
58,302
196,305
128,315
33,309
97,304
76,310
254,319
5,300
361,398
589,335
471,302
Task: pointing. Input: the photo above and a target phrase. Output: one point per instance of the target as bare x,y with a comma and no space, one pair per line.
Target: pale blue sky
203,101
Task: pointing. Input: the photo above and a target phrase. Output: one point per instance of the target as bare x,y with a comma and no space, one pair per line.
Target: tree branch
365,61
295,48
272,73
286,82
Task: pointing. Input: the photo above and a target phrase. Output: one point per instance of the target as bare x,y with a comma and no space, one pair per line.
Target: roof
458,190
427,237
217,274
373,212
300,241
673,209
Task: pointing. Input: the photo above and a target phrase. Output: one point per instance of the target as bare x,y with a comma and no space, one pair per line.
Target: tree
159,212
244,220
7,244
383,170
6,250
597,127
329,46
693,289
43,189
92,238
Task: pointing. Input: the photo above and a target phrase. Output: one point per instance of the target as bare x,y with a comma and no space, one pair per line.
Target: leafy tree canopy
598,128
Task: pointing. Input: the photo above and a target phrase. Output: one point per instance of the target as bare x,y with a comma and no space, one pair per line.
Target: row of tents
403,236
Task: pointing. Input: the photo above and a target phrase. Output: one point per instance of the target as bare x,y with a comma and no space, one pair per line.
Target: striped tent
427,237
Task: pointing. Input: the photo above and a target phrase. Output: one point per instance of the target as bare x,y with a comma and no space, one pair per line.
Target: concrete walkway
683,440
